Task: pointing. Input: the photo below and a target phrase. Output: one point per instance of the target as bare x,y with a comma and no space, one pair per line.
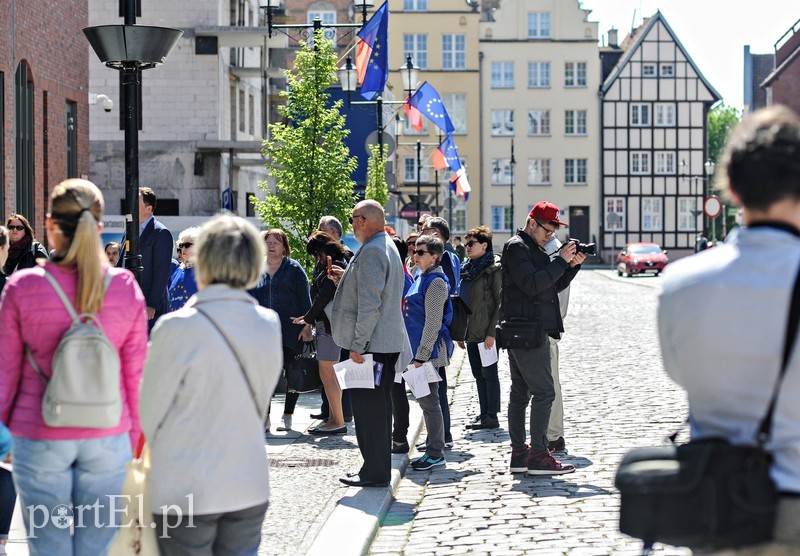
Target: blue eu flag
430,104
372,53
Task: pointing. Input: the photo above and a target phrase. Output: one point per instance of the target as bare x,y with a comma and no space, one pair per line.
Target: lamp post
348,80
512,163
131,48
709,167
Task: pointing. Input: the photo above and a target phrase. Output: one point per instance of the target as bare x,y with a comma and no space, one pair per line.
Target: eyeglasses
356,216
420,251
18,228
470,243
547,231
184,245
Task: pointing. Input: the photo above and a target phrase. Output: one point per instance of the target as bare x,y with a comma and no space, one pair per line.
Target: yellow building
540,76
442,38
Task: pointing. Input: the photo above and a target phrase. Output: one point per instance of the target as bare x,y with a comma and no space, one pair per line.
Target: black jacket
531,282
26,259
323,289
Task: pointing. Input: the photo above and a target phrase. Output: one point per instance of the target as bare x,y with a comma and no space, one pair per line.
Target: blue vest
414,313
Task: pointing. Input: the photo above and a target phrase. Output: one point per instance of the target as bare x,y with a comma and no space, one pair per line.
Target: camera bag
706,494
518,334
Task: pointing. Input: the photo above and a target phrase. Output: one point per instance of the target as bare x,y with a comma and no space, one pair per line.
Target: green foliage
377,189
721,121
306,155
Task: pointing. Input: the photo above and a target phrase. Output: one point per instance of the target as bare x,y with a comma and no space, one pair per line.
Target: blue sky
713,32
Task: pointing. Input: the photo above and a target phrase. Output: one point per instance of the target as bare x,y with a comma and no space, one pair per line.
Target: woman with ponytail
60,469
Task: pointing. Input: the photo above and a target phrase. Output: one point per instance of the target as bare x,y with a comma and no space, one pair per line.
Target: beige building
442,38
540,75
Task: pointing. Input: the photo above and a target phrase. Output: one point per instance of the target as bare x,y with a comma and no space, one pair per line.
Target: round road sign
712,206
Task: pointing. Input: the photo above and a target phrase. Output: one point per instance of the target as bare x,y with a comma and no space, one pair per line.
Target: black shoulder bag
706,494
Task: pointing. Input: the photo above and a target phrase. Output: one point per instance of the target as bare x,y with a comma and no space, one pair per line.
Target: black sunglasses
471,242
356,216
18,228
184,245
419,251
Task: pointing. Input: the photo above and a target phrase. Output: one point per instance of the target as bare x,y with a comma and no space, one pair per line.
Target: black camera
585,248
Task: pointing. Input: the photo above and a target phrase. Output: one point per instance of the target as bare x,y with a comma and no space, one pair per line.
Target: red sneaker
542,463
519,460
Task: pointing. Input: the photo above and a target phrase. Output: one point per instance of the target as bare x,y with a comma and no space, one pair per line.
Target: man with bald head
367,318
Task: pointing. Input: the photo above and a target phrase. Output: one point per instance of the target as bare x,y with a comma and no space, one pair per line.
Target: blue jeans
59,481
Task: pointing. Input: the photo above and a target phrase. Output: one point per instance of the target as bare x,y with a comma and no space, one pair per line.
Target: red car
637,258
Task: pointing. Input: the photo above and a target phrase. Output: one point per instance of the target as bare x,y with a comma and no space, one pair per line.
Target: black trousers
400,411
372,411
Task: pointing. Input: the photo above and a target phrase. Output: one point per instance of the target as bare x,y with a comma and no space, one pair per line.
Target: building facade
44,119
203,112
540,73
782,85
654,110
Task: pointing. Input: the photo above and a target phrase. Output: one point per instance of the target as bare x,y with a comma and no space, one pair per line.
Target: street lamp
273,5
131,48
410,75
709,167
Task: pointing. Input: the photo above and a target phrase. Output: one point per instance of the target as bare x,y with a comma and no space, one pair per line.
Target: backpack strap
76,318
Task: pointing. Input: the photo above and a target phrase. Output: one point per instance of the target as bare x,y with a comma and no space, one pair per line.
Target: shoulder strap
238,359
788,346
76,318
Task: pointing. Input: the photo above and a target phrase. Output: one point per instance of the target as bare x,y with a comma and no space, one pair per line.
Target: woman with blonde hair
203,406
183,285
64,467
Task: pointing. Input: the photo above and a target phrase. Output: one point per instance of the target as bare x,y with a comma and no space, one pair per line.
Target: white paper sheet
488,355
355,375
6,466
417,380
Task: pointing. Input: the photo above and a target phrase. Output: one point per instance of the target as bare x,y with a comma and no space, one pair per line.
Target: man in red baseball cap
529,313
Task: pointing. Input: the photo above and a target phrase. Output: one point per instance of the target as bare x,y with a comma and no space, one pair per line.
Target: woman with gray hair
427,312
203,407
183,285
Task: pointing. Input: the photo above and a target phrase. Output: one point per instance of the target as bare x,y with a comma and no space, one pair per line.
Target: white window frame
575,171
687,221
416,45
543,123
456,106
539,171
502,75
617,205
504,212
640,163
652,214
454,54
410,170
501,171
502,123
639,114
664,163
664,114
538,25
648,70
328,17
574,74
667,70
415,5
575,122
538,75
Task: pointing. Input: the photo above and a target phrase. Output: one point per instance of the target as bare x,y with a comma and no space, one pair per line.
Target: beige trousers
555,429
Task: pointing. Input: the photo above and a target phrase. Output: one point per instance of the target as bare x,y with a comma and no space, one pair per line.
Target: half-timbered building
654,142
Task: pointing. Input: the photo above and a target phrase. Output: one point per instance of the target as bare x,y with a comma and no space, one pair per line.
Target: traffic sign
712,206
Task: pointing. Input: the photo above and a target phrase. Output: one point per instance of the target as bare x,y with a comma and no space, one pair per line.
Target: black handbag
518,334
302,372
706,494
460,322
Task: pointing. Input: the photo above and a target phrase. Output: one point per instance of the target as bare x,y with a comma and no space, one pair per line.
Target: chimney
612,38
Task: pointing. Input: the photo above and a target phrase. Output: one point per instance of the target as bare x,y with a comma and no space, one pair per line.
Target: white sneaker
287,424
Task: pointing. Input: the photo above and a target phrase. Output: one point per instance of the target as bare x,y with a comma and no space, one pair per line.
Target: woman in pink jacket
67,475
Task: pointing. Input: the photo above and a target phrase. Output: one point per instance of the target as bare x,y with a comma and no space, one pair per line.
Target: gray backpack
84,388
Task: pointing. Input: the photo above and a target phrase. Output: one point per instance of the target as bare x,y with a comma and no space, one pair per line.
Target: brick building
44,119
783,84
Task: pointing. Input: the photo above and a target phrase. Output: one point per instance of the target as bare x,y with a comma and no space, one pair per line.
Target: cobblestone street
616,396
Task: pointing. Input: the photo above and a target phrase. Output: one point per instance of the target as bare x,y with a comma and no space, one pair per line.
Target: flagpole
512,163
436,181
419,176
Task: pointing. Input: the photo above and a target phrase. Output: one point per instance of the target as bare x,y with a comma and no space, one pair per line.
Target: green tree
306,154
721,121
377,189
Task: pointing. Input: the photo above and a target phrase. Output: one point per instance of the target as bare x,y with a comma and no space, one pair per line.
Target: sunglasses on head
18,228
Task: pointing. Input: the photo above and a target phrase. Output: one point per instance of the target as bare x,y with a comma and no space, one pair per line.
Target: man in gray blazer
367,318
